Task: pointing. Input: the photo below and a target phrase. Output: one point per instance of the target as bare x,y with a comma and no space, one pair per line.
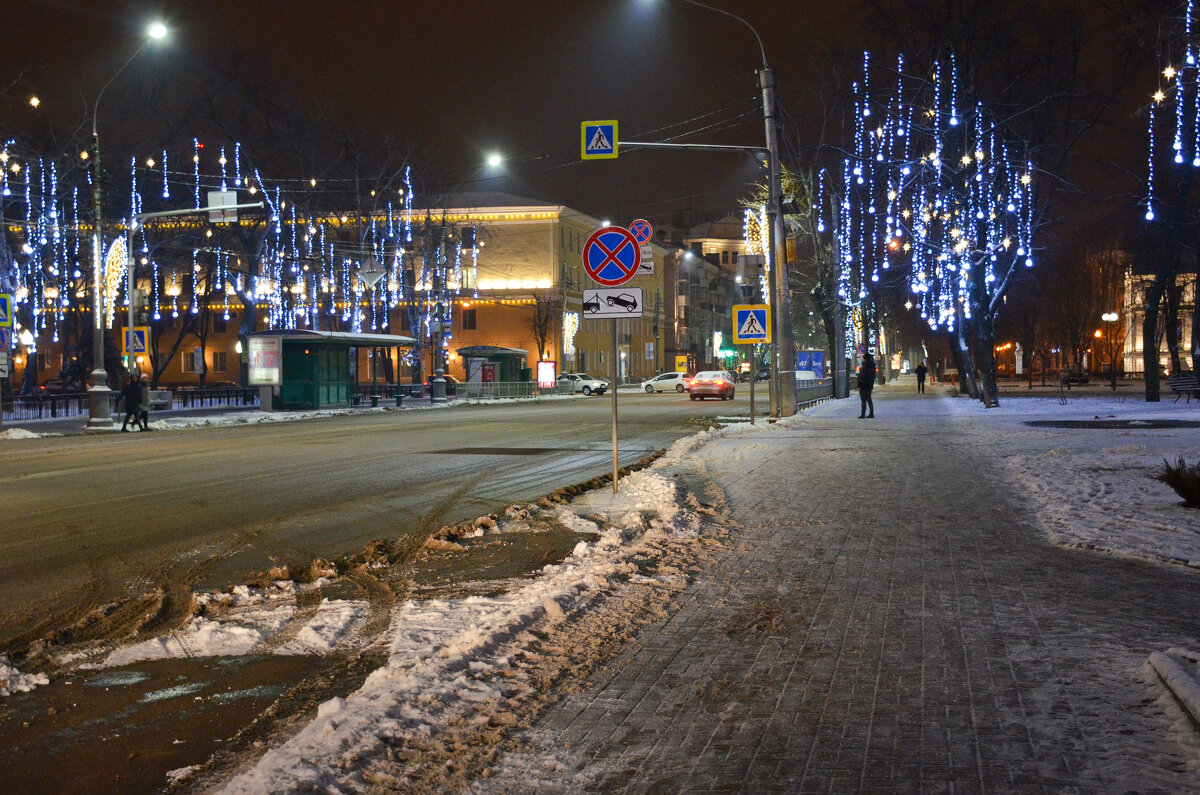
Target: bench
160,399
1184,385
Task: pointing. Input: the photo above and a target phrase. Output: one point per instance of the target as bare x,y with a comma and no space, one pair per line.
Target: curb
1178,680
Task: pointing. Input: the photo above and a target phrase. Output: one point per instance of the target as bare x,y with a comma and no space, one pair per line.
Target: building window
468,320
725,257
733,257
188,360
218,359
218,324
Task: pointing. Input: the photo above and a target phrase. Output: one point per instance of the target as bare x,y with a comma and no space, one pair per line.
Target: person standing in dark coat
144,406
866,383
921,372
132,396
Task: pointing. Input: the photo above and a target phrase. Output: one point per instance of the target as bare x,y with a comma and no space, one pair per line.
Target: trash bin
399,398
374,401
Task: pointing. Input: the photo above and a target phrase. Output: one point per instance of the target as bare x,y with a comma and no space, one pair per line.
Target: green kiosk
303,369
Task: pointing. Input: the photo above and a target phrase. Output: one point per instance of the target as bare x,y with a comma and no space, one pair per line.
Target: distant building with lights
518,260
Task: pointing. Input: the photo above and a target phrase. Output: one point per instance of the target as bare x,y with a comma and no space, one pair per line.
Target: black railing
199,398
48,406
45,405
810,392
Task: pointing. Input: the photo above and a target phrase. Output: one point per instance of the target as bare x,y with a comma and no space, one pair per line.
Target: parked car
55,386
711,383
763,374
451,384
668,381
1074,375
582,382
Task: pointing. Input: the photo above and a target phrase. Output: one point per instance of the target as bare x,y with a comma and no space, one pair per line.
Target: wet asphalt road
92,518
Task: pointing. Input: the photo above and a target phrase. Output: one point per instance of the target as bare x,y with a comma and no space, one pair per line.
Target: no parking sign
611,256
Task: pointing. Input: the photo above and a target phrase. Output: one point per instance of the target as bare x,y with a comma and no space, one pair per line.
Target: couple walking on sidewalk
136,399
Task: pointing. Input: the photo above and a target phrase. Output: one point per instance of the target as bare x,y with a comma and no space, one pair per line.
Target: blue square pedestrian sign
751,323
598,140
6,310
137,342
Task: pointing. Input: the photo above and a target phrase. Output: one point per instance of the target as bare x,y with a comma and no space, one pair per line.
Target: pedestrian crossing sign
137,342
6,310
751,323
598,140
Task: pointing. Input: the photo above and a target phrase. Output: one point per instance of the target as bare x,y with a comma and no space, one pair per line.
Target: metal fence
40,406
468,390
43,406
813,392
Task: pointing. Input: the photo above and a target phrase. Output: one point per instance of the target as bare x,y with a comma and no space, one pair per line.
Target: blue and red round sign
611,256
642,231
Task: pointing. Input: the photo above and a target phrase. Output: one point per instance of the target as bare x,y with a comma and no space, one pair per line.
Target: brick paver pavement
886,618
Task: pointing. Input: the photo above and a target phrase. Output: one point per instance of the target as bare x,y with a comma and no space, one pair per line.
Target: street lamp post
783,348
99,411
1110,318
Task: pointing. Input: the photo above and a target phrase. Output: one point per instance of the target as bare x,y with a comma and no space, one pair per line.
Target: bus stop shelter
484,363
304,369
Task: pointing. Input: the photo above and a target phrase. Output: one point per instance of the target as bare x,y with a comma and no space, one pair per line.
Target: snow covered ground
449,659
1087,486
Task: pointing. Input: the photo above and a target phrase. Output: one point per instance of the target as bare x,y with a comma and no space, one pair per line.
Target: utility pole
658,323
783,350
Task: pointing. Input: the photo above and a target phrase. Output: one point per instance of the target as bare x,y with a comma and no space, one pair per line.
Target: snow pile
234,622
452,658
13,681
19,433
220,420
203,637
321,633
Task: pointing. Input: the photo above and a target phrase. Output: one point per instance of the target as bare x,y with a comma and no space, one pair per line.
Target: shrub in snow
1184,478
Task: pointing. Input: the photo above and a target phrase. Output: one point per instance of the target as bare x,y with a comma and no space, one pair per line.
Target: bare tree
547,311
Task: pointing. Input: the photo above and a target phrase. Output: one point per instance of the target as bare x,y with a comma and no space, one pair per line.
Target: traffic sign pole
615,365
753,378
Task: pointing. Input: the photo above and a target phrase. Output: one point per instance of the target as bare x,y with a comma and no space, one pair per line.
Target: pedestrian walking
144,406
866,383
131,395
921,372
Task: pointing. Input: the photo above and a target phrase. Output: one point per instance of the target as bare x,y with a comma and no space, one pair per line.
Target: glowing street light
783,349
99,412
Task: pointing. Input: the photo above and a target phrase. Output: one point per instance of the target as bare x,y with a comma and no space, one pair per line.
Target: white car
667,382
582,382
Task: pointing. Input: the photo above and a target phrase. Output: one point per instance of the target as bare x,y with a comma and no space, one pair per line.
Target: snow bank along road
89,520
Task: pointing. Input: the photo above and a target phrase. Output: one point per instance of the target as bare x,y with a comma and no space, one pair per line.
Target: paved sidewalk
863,634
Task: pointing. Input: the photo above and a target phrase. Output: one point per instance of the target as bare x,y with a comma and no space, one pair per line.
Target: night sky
458,80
